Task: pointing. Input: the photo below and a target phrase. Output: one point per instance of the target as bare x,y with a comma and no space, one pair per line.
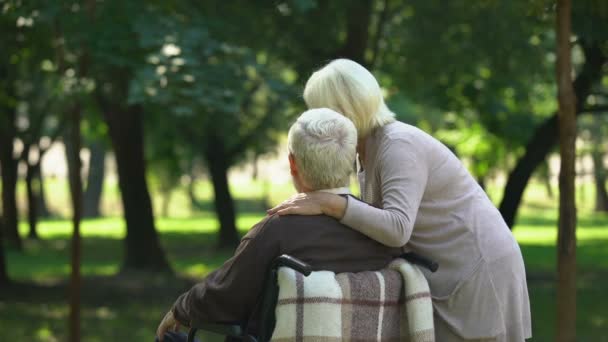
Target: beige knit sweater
422,197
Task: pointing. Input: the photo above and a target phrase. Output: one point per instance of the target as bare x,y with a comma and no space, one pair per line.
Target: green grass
129,306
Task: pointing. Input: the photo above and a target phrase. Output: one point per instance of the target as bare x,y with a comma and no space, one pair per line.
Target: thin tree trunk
95,178
599,173
32,210
9,180
359,15
224,204
599,170
166,202
546,136
69,157
4,280
43,209
566,240
76,194
195,203
545,175
142,247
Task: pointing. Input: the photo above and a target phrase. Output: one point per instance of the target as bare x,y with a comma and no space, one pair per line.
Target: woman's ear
292,165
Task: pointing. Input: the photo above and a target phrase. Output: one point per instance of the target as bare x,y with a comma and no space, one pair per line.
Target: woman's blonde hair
348,88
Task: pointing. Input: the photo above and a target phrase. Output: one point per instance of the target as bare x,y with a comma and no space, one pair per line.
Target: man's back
230,293
326,244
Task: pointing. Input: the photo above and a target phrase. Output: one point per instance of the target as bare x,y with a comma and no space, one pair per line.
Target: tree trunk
43,209
546,136
195,203
4,280
166,202
566,240
599,173
142,247
92,195
224,205
599,170
545,175
9,179
76,193
357,27
32,210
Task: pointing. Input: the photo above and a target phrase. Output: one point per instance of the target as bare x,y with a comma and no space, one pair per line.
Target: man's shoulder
273,224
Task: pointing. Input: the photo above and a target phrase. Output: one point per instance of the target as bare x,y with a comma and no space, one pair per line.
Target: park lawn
129,306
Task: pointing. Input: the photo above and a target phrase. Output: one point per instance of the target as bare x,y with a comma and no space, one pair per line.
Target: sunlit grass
115,228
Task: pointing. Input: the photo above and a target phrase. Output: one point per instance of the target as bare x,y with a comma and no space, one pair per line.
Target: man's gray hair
324,145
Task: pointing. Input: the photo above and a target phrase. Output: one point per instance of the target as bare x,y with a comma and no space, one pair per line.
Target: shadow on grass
48,260
591,256
111,310
242,205
595,220
115,306
591,317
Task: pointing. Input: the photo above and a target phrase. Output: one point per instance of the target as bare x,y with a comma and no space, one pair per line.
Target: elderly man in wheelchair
239,299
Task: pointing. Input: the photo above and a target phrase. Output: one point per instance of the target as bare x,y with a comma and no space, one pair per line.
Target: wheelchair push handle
294,263
420,260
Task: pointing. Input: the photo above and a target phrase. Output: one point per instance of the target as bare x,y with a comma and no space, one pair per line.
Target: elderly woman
419,195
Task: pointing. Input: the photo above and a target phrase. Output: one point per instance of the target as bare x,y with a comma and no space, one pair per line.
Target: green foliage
209,91
485,64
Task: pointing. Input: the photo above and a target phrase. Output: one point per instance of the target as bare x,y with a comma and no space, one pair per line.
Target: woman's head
348,88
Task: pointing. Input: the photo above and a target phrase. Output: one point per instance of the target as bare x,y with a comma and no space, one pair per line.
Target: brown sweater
229,294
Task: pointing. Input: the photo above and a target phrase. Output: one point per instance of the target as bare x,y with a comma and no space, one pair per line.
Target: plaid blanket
365,306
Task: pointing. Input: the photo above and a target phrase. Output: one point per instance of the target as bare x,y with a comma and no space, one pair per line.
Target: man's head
322,149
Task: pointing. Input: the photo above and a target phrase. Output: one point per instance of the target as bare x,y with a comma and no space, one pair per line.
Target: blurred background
184,108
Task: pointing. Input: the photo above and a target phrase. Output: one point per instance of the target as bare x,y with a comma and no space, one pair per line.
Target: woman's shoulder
402,131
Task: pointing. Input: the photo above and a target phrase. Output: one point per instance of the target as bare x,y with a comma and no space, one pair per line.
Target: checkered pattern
365,306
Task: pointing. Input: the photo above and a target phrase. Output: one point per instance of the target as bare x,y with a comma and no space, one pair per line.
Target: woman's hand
312,203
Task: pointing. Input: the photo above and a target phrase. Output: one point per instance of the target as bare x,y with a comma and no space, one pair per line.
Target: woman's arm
312,203
402,173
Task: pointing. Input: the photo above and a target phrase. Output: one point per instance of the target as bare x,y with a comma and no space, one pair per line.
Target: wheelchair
267,304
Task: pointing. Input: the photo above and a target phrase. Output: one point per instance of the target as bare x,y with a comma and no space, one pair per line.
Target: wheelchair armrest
292,262
420,260
229,330
233,330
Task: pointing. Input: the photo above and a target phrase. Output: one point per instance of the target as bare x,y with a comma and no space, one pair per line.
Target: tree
8,131
546,134
95,178
4,280
566,240
110,63
244,107
598,152
114,64
255,64
34,138
142,247
94,135
9,177
76,195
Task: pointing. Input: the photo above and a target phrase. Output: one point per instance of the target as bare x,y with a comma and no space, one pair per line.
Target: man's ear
292,165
